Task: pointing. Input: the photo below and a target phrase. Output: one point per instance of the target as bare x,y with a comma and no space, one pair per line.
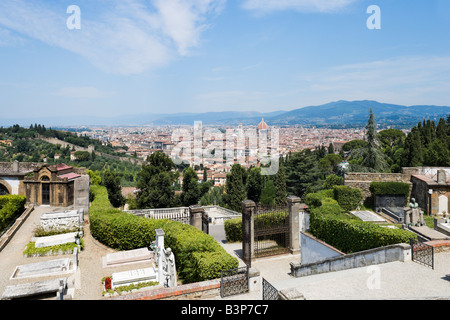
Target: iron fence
234,281
269,292
422,253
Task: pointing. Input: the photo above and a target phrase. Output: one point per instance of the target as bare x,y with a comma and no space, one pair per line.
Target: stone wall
362,180
398,252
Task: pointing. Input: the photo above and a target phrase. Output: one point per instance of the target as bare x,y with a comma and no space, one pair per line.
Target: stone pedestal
294,224
248,231
196,213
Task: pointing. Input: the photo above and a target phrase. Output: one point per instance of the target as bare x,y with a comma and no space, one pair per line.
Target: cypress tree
255,183
280,186
235,187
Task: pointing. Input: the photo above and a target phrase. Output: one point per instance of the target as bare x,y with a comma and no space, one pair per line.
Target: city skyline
175,56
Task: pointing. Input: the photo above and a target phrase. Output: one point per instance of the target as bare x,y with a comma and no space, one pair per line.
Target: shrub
348,198
233,229
389,188
124,231
11,206
314,200
349,235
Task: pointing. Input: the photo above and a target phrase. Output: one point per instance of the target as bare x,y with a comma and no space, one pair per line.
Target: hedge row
389,188
351,235
198,256
233,227
347,198
11,206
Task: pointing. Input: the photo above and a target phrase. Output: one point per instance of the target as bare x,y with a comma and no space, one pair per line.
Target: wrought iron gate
422,253
269,292
234,281
271,231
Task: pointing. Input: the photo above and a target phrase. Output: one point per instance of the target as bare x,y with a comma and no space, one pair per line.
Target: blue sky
170,56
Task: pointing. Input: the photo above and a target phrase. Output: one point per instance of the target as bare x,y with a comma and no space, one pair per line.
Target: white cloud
126,37
265,6
403,80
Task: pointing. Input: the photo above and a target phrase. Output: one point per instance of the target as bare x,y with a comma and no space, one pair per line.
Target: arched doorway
3,190
45,190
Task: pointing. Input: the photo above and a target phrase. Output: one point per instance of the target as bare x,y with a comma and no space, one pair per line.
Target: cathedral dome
262,125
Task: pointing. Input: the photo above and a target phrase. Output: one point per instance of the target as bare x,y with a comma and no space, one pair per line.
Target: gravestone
40,269
41,242
67,219
165,258
367,216
134,277
127,257
33,289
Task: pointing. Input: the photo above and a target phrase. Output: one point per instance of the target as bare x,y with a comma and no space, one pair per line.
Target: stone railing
180,214
219,214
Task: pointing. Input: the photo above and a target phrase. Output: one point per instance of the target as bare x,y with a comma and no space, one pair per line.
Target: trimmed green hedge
348,198
11,206
124,231
350,235
233,229
389,188
314,200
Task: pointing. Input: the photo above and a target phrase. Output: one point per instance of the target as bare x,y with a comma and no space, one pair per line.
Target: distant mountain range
335,114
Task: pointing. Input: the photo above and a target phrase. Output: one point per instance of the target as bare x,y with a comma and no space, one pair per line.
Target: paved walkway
391,281
397,280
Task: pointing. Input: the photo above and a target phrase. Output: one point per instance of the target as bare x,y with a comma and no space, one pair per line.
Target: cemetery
149,257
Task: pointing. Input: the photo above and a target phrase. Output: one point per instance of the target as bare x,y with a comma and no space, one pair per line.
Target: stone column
160,251
248,231
196,213
294,223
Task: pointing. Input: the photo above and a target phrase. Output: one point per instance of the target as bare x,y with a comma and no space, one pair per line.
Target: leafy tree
268,193
112,183
329,162
235,187
191,188
94,177
370,156
255,183
213,197
155,181
331,181
302,172
280,185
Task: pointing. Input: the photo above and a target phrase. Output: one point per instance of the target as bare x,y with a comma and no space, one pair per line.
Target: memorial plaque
49,241
33,289
126,257
133,276
368,216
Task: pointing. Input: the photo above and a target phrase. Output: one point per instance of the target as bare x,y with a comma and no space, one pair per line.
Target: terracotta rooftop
60,167
70,176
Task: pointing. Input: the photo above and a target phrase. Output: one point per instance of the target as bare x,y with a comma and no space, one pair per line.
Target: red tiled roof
70,176
61,166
